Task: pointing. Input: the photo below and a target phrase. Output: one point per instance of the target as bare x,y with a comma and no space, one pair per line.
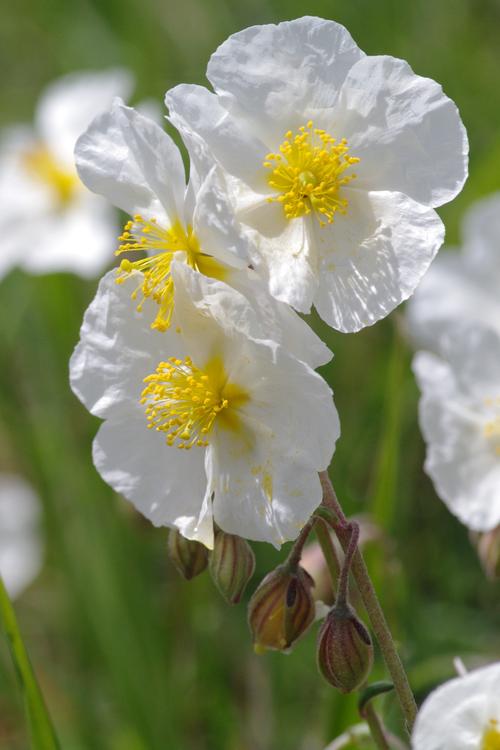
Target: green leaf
41,730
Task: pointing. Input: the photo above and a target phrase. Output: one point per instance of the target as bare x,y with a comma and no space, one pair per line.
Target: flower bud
281,609
190,558
488,549
232,564
345,651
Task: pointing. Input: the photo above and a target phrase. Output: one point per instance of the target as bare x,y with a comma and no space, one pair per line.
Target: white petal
461,459
194,109
275,72
481,233
373,258
455,716
406,132
259,495
118,349
165,484
215,225
80,238
132,162
21,546
243,305
67,106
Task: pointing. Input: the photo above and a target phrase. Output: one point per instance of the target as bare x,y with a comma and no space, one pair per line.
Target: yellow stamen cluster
491,738
492,427
309,172
140,234
43,166
183,402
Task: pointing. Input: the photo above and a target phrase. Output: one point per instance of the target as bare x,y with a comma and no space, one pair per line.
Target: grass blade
41,730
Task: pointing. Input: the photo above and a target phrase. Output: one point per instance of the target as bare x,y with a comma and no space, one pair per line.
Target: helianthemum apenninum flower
460,420
462,714
238,428
129,159
49,221
461,286
334,162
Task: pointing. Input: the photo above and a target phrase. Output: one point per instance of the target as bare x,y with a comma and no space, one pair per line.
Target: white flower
254,424
130,160
49,222
462,714
460,421
20,540
461,286
335,162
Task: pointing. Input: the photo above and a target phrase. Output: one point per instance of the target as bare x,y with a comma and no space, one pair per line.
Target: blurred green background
129,656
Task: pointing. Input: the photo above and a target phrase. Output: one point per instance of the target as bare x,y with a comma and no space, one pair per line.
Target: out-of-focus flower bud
313,561
345,651
488,550
190,558
232,564
281,609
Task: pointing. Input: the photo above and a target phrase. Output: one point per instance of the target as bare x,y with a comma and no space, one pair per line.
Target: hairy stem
293,558
376,728
329,552
374,610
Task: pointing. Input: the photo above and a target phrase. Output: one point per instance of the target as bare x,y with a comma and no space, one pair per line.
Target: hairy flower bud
345,651
190,558
281,609
232,564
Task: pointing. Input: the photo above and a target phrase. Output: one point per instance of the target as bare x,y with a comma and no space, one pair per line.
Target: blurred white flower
49,221
253,425
130,160
462,714
461,286
20,537
335,162
460,420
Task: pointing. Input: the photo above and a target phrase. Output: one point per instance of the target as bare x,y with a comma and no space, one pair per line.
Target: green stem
41,730
376,728
374,610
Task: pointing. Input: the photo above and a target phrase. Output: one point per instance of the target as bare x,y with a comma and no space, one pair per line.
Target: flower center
43,166
492,426
161,244
491,738
184,401
309,172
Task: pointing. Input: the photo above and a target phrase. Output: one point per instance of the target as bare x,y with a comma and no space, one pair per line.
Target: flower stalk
372,605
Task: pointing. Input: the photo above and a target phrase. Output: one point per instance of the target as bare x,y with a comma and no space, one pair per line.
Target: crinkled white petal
165,484
194,109
407,133
67,106
457,404
372,258
132,162
260,495
456,715
215,225
244,305
117,348
274,73
21,545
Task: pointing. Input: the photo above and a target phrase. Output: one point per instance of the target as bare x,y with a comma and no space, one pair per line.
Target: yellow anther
491,737
309,173
183,401
161,244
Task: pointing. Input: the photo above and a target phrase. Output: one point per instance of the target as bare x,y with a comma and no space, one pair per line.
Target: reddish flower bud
232,564
281,609
190,558
345,651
